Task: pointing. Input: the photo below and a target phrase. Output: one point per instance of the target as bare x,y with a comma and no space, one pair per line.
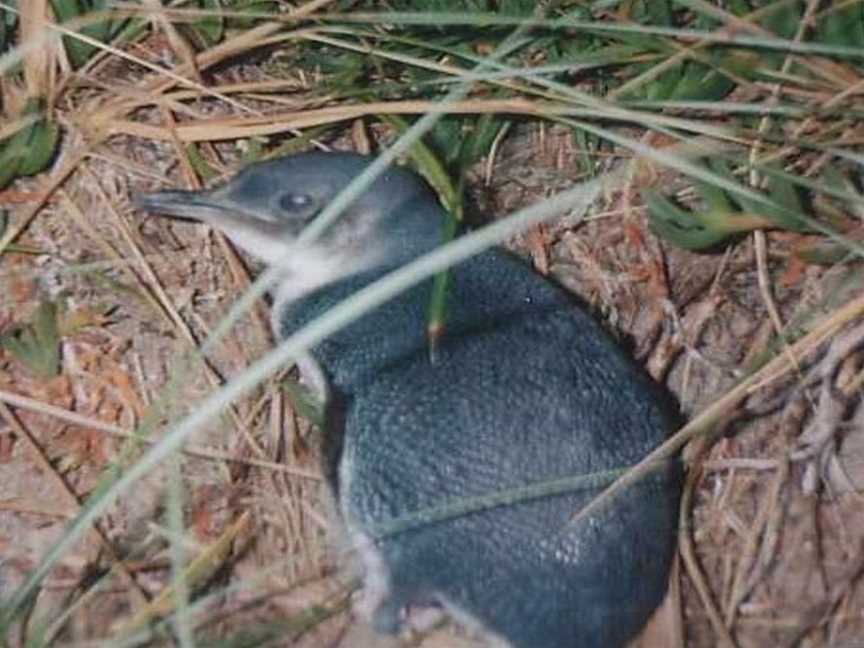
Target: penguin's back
523,388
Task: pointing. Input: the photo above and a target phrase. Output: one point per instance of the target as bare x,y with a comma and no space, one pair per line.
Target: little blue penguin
523,388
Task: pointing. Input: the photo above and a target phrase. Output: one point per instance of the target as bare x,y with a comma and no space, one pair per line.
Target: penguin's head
264,208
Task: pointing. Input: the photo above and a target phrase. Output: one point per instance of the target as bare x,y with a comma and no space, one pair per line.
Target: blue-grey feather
524,387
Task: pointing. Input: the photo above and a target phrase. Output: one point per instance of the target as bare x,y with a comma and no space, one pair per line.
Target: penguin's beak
259,235
212,207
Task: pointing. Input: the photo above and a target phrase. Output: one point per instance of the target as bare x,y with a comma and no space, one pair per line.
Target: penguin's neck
393,328
374,339
488,292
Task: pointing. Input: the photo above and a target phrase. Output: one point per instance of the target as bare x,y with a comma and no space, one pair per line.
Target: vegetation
730,131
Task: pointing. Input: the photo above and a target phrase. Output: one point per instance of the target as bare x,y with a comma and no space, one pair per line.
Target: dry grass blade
714,413
228,128
182,94
38,60
199,570
23,402
71,501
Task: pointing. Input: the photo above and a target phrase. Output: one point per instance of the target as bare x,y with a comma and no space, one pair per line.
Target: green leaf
199,163
781,18
5,29
651,12
680,227
432,169
715,198
305,402
8,171
481,135
720,218
702,83
79,51
446,138
210,29
41,144
839,199
725,215
843,25
784,194
251,6
12,150
37,345
30,149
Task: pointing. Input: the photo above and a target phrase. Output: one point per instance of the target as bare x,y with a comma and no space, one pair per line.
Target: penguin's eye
293,202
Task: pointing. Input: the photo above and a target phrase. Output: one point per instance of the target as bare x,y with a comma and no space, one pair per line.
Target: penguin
524,389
